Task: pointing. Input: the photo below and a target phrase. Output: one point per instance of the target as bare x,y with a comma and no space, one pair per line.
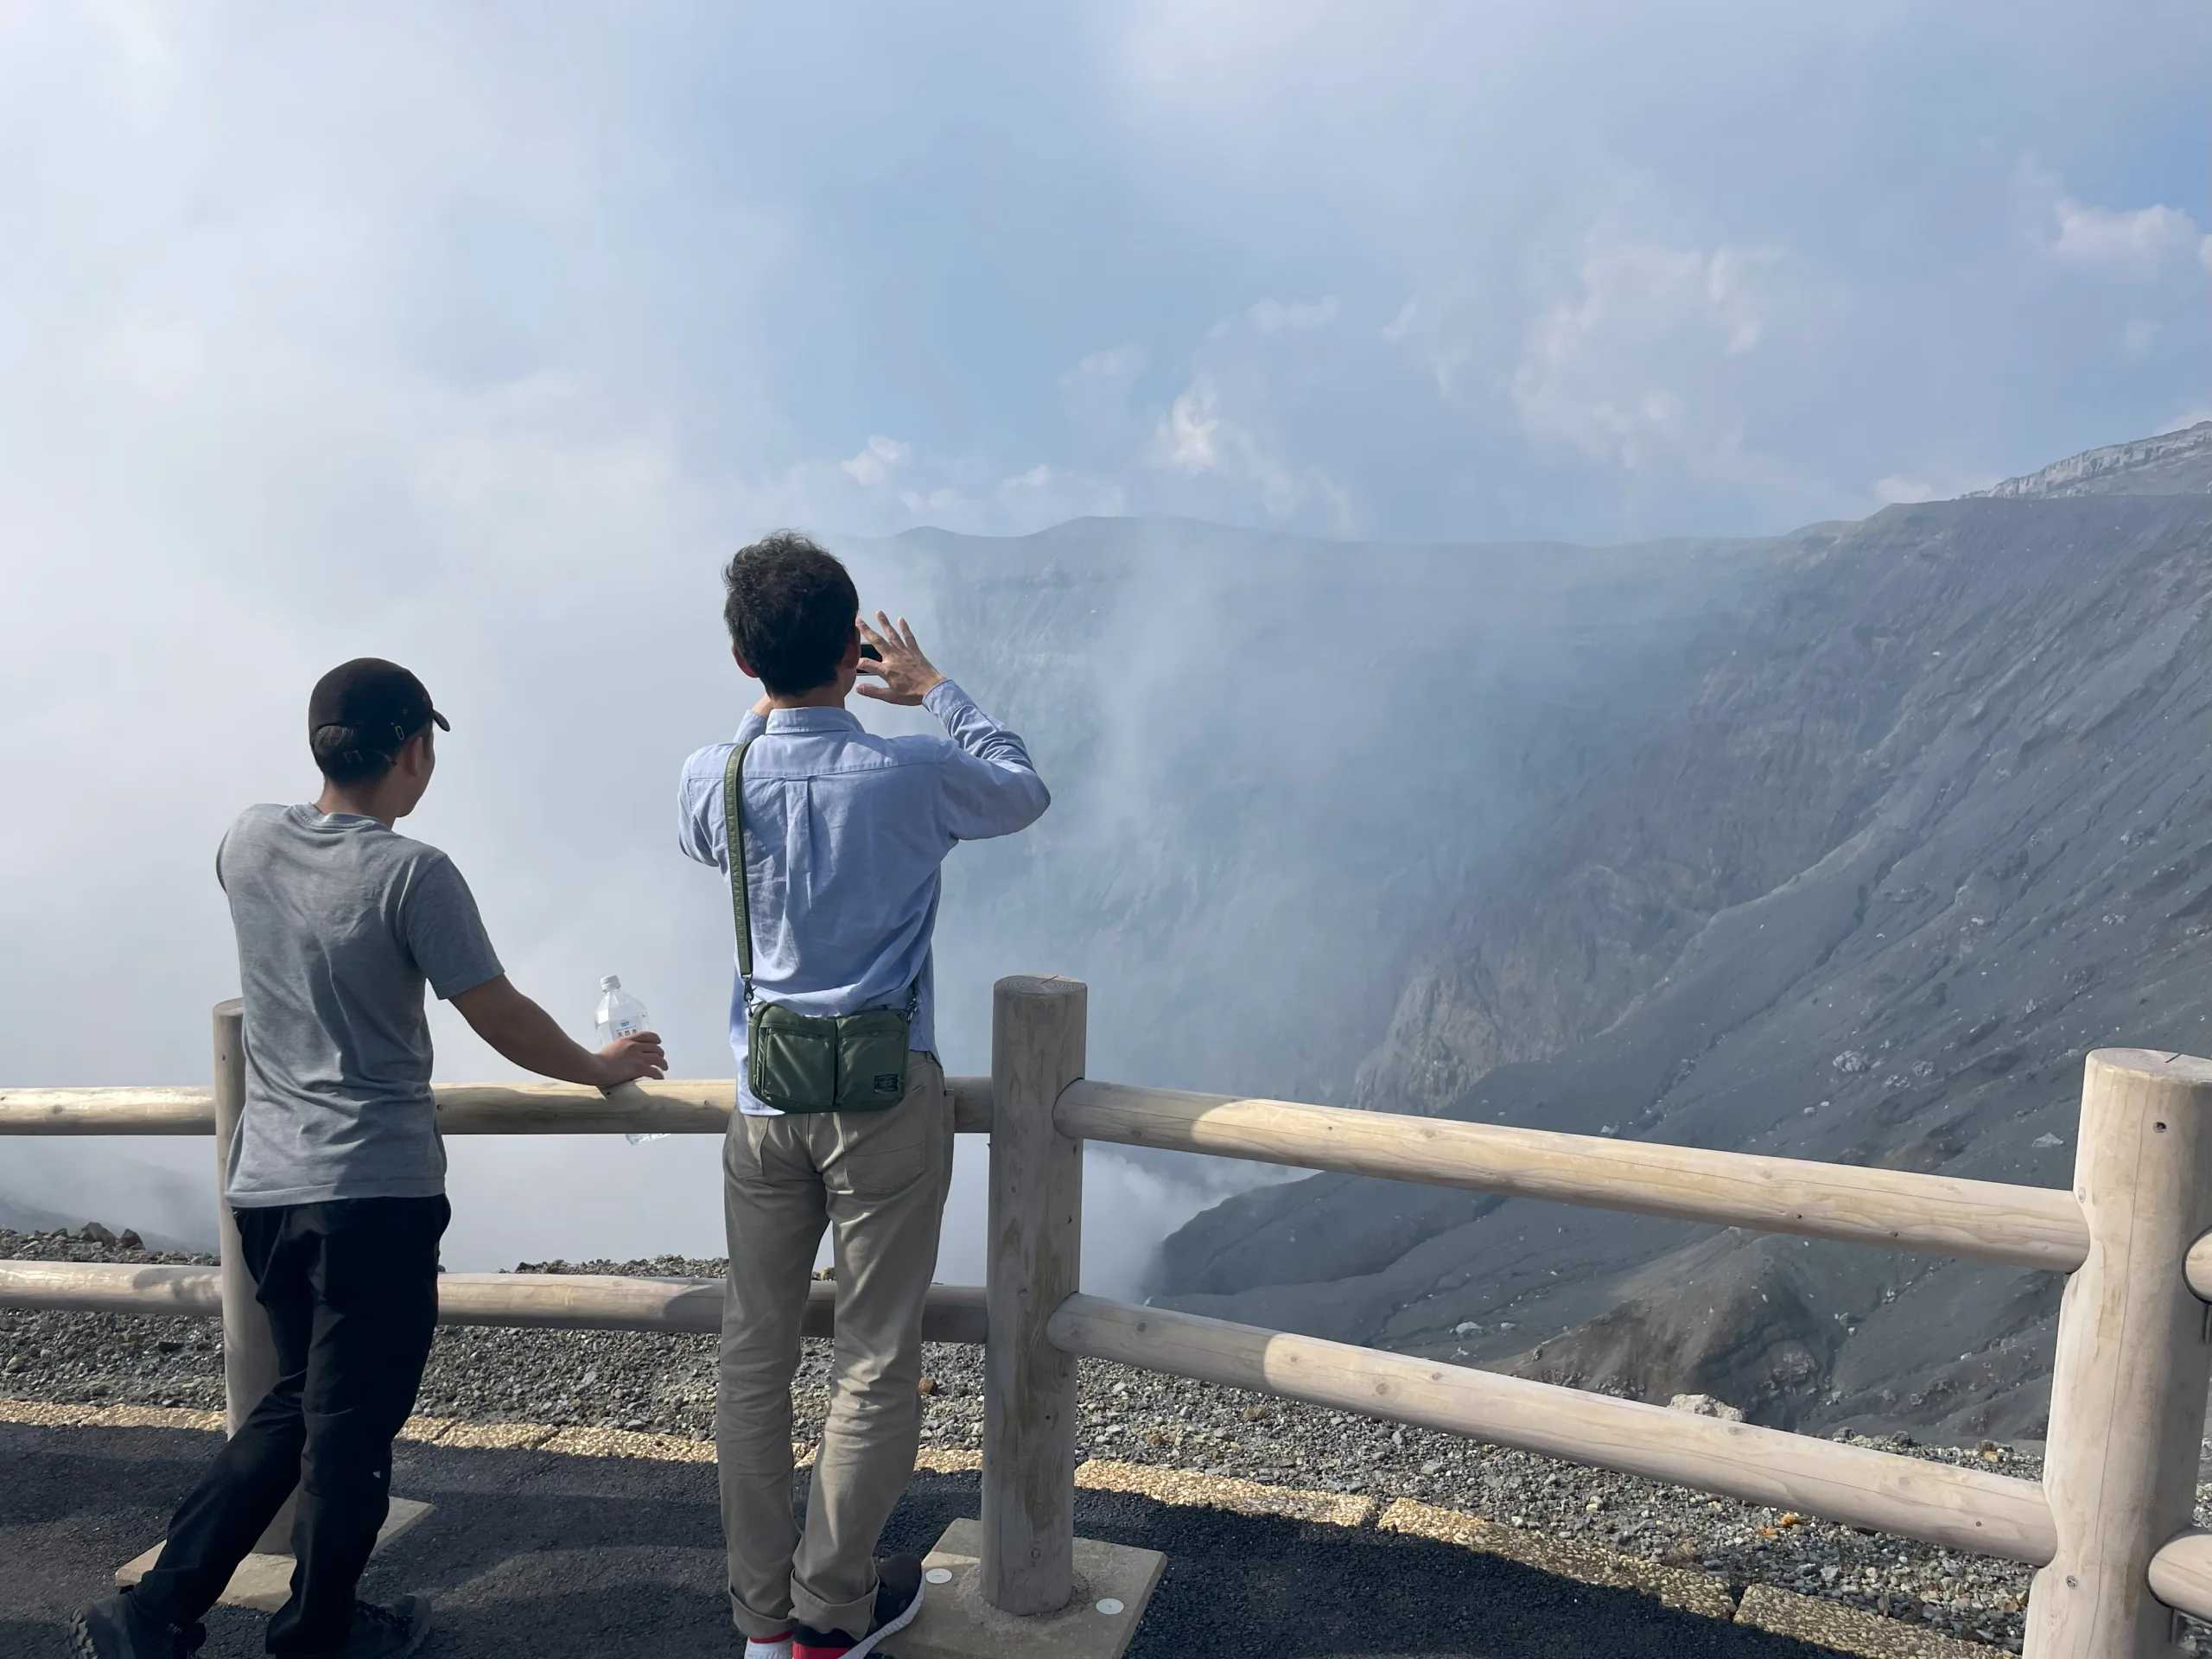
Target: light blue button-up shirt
844,832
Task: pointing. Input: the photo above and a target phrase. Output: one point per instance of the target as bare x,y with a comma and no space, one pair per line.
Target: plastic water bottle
620,1015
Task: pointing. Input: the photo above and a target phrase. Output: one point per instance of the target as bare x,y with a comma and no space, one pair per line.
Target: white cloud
2145,237
882,457
1237,438
2138,242
1116,365
1186,442
1632,367
1197,438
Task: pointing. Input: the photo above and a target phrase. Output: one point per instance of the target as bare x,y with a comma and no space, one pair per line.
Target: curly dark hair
791,610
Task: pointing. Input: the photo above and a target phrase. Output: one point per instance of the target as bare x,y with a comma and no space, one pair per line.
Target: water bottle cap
612,983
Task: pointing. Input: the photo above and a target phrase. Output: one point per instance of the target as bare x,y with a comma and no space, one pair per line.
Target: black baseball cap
376,704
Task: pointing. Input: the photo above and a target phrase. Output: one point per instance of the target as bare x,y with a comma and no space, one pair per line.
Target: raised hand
907,675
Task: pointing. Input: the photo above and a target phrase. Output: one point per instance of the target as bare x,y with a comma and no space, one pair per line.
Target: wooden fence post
1035,1256
2128,1385
249,1350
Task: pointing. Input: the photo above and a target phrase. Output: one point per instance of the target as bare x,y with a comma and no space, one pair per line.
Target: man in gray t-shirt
341,921
336,1176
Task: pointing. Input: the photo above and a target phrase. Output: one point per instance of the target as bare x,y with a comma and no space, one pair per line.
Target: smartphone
870,653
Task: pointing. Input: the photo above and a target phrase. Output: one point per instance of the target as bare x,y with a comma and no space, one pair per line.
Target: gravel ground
665,1384
535,1555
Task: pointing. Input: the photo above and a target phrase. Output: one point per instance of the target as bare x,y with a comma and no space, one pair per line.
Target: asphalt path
541,1555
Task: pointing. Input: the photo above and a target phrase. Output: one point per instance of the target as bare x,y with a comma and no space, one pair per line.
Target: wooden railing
2109,1526
670,1107
523,1301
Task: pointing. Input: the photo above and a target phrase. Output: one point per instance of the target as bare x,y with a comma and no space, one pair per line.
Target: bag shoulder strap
733,838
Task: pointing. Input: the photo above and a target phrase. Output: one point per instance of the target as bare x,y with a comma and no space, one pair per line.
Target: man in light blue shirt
843,833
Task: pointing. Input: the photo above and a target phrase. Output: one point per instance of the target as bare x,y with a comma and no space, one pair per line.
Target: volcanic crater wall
1908,830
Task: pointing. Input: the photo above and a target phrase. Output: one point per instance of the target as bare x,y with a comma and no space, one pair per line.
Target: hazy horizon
534,1197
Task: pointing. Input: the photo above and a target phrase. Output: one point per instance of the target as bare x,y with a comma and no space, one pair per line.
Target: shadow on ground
533,1555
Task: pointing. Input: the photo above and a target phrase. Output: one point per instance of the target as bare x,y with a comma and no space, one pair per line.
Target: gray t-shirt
341,921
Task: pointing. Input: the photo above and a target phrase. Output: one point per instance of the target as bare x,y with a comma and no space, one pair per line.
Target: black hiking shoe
387,1632
116,1627
897,1600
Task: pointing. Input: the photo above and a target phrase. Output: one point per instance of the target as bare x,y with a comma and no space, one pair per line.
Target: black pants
352,1290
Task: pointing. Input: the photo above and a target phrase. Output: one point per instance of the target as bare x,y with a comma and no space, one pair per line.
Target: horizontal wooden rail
112,1288
666,1108
554,1301
1942,1215
1959,1509
571,1108
107,1112
2181,1573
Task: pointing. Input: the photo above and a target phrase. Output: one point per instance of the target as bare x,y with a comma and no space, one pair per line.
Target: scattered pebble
1704,1405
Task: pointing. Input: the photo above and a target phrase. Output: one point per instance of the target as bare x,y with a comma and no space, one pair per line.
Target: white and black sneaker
116,1627
898,1601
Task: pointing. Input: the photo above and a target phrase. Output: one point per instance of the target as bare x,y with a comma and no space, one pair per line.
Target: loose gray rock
1704,1405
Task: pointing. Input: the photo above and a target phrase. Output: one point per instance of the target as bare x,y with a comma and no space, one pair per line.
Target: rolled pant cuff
855,1618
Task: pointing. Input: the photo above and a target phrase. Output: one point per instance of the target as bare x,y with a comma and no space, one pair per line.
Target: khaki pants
877,1180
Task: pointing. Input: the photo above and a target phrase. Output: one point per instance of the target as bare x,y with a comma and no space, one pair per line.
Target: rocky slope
2173,463
1916,825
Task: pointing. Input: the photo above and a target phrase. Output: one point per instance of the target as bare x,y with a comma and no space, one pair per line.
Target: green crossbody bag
802,1062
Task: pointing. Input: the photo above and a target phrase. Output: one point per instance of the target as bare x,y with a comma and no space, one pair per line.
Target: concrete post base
265,1582
1113,1583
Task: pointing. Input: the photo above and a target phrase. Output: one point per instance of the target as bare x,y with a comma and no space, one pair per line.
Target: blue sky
1435,271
